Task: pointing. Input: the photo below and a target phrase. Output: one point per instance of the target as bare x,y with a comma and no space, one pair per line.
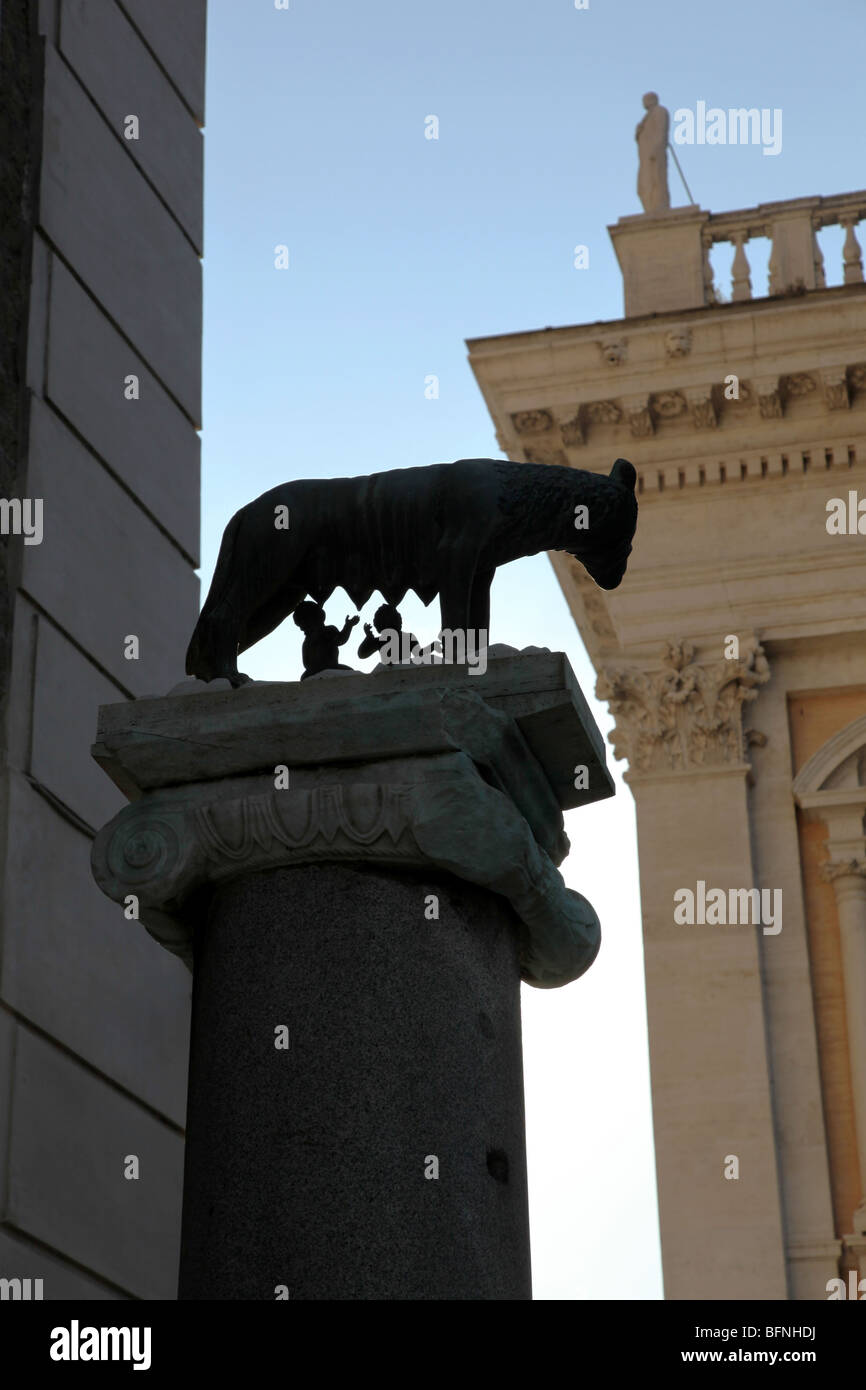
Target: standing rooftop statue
652,145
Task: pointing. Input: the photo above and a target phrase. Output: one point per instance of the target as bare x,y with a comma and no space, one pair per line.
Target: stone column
849,886
361,870
680,726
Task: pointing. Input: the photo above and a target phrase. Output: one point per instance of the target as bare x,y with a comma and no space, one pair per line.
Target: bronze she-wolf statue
442,530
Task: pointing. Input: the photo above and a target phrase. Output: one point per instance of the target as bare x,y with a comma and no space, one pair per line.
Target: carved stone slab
223,733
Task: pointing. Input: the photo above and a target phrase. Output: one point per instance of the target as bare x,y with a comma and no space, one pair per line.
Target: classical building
100,292
733,658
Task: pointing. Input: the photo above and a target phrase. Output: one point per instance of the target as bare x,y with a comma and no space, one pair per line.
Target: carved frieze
799,384
550,454
639,415
532,421
613,351
594,605
703,411
769,399
572,431
678,343
668,404
835,385
604,412
857,376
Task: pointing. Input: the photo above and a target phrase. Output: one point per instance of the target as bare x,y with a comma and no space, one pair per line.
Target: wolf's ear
624,473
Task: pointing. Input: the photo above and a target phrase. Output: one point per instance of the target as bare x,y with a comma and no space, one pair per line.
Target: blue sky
400,248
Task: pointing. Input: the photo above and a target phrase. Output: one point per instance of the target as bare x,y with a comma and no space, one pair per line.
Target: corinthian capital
843,868
684,715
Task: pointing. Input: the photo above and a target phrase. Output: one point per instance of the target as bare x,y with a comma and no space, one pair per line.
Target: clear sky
399,249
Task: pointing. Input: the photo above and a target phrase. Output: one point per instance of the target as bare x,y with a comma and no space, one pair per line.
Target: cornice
631,418
541,339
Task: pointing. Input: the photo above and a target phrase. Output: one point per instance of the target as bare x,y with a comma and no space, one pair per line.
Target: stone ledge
225,733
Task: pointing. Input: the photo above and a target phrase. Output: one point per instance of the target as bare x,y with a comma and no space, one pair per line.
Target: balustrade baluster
852,257
741,283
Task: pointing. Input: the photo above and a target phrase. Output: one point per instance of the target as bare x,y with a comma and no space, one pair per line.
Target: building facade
733,658
101,202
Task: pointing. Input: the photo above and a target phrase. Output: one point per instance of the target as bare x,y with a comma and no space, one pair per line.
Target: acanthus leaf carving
700,401
604,412
669,404
572,431
640,420
769,398
835,384
834,869
686,715
799,384
857,376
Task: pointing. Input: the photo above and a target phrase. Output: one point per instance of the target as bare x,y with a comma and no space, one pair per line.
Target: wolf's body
442,530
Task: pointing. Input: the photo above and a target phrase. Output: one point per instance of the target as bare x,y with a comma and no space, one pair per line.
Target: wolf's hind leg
213,650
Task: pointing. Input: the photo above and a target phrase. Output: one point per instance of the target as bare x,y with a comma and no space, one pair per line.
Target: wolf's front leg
455,593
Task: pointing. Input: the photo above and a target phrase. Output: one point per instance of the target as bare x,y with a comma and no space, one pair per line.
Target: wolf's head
604,546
